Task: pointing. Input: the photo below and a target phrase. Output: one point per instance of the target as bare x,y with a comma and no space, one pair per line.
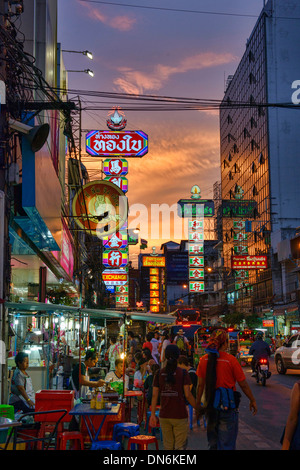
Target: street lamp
89,71
87,53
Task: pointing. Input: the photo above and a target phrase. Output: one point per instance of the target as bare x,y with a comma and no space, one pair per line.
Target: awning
27,307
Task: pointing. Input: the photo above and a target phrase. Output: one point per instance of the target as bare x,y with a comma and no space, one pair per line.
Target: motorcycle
262,371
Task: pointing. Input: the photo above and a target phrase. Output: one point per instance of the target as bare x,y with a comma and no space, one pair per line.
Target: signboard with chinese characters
196,261
195,249
116,241
115,143
249,262
115,259
122,300
196,273
154,261
196,286
115,167
122,289
196,237
240,249
120,181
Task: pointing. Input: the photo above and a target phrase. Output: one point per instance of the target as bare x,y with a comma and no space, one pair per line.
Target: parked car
288,355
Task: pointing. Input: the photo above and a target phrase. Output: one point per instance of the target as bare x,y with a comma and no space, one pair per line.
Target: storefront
51,334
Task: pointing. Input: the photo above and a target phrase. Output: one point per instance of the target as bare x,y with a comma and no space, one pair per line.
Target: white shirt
111,376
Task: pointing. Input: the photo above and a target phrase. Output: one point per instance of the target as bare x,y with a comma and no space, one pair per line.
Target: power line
177,10
185,10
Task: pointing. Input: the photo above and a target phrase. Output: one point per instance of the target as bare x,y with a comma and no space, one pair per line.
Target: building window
251,56
253,168
253,123
252,78
236,168
246,133
254,145
261,159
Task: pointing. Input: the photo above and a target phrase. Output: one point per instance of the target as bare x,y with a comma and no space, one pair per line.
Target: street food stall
201,337
245,341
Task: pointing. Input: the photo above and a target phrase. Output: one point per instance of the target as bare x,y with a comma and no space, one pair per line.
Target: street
263,431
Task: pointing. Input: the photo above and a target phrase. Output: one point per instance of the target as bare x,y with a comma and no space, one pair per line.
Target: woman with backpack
172,385
218,372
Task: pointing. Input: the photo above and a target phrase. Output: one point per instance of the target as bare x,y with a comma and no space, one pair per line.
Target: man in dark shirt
259,349
80,382
132,344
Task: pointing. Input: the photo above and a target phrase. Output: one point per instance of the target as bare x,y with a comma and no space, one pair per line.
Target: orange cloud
121,22
136,81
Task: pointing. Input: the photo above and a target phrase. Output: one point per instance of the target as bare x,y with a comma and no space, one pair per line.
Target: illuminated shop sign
154,261
249,262
114,143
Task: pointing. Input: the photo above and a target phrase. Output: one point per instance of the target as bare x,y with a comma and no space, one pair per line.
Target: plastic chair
66,436
125,430
142,442
103,445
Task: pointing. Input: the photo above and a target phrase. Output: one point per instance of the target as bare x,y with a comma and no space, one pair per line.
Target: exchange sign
114,143
113,277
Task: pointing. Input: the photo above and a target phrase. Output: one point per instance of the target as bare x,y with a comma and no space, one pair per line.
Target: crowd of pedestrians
161,365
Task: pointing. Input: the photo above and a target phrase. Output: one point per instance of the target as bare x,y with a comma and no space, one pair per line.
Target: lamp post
88,71
87,53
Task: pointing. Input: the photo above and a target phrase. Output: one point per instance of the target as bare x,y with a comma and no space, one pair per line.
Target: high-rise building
260,142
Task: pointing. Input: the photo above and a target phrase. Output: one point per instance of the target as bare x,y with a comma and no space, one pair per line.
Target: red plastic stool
142,442
66,436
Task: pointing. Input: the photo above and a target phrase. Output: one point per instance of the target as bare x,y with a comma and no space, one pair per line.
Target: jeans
222,430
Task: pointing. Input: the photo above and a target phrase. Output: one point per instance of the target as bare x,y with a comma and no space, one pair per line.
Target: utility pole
4,217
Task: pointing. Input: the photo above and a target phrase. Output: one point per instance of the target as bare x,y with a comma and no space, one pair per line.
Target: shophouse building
260,144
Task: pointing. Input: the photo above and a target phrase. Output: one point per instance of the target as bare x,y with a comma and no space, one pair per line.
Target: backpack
180,343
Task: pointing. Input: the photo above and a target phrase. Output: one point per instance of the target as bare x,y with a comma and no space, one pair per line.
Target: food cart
245,341
200,342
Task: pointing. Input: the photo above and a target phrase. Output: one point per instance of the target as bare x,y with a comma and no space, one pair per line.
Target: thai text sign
233,208
249,262
190,208
154,261
112,143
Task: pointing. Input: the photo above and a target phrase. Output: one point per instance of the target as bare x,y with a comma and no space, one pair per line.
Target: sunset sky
165,53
